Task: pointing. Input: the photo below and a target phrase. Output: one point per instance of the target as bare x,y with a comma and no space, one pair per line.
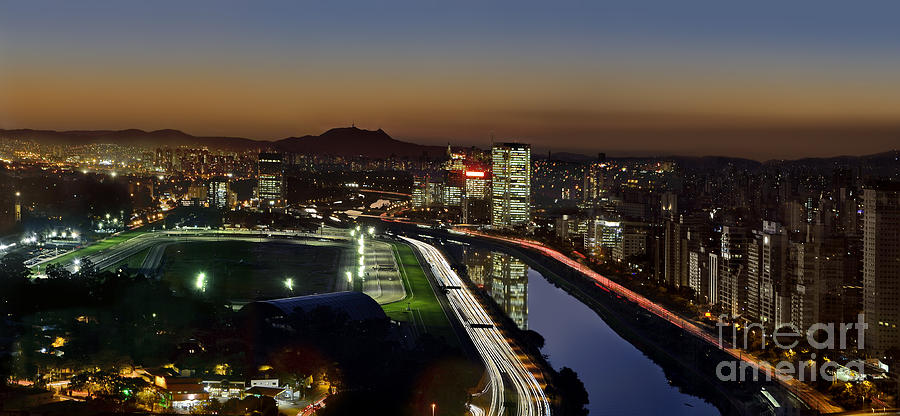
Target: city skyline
647,79
451,208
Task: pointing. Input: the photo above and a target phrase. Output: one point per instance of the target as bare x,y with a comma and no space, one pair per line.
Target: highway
804,392
502,364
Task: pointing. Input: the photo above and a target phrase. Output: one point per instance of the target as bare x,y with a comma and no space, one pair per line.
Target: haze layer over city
466,208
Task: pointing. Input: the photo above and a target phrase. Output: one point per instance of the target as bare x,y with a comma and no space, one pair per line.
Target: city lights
711,185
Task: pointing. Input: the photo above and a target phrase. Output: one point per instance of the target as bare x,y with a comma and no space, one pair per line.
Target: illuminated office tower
454,179
881,266
217,192
420,191
477,185
271,179
511,187
454,186
476,207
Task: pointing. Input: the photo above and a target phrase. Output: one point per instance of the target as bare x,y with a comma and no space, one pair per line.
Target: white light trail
496,352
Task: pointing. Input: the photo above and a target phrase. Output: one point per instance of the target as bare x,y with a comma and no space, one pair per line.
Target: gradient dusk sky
760,79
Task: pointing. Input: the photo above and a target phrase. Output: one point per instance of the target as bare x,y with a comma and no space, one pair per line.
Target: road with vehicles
804,392
505,368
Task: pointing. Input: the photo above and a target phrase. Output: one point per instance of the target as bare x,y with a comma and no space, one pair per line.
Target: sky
761,79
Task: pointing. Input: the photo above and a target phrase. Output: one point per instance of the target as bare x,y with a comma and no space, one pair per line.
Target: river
619,378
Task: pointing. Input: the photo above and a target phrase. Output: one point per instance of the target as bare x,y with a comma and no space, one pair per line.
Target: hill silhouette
344,141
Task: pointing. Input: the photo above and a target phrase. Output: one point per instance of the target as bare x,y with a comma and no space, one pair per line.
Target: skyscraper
271,179
217,192
732,271
511,187
881,265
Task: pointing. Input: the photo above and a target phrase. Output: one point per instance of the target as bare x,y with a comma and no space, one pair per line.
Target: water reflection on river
619,378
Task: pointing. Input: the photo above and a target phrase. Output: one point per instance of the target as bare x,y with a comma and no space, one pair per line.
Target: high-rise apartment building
511,186
881,265
732,284
766,280
271,179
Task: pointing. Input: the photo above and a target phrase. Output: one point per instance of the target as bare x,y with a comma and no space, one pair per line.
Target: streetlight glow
201,282
289,283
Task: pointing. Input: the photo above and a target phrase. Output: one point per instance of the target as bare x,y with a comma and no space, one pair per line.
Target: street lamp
290,284
433,406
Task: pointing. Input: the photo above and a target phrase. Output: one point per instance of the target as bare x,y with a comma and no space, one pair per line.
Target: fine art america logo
819,337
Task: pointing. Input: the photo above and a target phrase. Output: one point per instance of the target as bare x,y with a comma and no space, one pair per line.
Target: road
804,392
503,365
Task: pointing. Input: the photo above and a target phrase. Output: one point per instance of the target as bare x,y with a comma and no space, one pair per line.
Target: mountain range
343,141
353,141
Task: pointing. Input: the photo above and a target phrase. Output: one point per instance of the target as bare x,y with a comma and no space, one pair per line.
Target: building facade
271,179
881,266
511,186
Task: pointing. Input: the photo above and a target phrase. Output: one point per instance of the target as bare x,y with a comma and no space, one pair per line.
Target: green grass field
132,262
242,270
98,246
425,310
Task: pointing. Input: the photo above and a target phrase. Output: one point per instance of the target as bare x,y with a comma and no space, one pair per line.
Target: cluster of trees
367,363
51,196
106,319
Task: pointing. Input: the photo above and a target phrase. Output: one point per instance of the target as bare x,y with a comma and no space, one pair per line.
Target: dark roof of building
265,391
357,305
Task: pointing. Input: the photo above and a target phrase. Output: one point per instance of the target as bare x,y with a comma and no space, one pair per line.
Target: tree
13,280
533,338
12,268
574,395
57,271
149,397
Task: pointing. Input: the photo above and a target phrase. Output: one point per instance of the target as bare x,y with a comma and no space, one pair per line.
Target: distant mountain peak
354,141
